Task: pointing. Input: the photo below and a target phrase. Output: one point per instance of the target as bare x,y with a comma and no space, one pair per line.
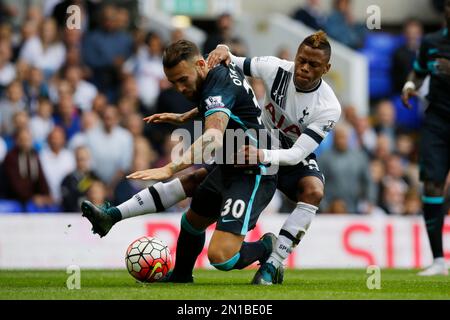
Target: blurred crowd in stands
72,103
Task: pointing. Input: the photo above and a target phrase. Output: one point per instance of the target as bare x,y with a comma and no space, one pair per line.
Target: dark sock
249,253
189,245
434,220
115,214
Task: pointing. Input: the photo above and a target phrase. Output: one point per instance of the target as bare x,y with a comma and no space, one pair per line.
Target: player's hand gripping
172,118
408,92
159,174
252,156
218,55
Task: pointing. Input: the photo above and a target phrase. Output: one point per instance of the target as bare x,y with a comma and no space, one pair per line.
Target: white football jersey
293,112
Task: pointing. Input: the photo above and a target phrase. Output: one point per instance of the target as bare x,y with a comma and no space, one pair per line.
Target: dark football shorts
233,197
434,155
288,176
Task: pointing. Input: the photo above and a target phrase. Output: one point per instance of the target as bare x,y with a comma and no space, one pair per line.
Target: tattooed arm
212,139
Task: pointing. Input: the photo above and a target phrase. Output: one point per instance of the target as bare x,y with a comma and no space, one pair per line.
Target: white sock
293,230
440,260
153,199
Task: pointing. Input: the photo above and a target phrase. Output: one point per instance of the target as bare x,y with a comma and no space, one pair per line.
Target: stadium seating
32,208
10,206
378,49
405,118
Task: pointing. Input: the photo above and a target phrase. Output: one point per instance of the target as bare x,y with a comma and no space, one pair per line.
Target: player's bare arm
173,118
211,139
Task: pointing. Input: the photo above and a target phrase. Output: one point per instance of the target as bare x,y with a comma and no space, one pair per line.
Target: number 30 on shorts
237,208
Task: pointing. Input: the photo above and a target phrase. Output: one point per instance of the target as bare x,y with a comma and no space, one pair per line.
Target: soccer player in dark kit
233,196
434,59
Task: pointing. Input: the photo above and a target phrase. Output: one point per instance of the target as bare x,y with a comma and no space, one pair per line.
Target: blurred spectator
41,124
238,47
99,103
382,148
72,38
404,146
377,172
134,124
105,50
169,100
57,162
126,188
393,199
146,67
67,116
143,146
89,120
9,105
111,148
76,184
176,34
7,11
28,30
123,19
341,25
395,171
129,90
403,57
365,135
126,106
284,53
170,141
347,173
85,92
385,121
223,33
24,175
413,204
7,68
34,13
337,206
34,87
46,51
97,193
311,14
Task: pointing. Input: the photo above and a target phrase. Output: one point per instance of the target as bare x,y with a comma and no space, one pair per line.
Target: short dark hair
318,40
179,51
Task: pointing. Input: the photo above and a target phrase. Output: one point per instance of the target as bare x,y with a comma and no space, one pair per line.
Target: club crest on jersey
214,102
329,126
305,113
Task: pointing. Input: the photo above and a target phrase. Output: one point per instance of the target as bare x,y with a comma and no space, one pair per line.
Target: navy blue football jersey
435,45
226,90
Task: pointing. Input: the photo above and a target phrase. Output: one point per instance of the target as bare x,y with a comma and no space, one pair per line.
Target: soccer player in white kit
303,107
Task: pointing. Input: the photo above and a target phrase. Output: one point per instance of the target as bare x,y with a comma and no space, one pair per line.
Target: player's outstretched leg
294,228
191,241
248,252
153,199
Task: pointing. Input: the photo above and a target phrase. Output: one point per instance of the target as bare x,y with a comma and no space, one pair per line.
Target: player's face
186,78
310,65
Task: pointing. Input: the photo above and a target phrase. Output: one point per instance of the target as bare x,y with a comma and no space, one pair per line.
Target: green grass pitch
213,284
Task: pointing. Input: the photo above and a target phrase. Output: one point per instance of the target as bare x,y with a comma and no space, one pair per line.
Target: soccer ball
148,259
